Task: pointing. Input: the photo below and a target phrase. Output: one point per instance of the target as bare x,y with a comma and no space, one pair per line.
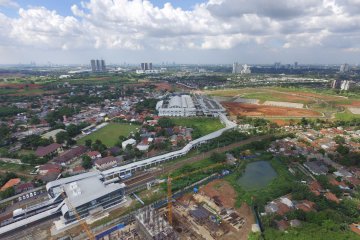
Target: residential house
70,155
23,187
48,167
94,155
105,163
49,150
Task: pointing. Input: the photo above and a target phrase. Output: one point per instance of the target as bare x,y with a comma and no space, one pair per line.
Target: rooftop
86,190
12,182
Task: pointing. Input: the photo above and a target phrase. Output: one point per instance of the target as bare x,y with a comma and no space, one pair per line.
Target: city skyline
196,32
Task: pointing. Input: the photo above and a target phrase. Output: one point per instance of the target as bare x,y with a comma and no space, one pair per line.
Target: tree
88,143
218,157
339,139
86,162
34,120
9,192
62,137
166,123
343,150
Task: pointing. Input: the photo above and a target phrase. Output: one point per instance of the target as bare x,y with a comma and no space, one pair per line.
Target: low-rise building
105,163
49,150
130,141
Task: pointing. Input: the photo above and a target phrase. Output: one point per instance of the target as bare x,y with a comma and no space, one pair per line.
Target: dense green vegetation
146,104
328,230
10,111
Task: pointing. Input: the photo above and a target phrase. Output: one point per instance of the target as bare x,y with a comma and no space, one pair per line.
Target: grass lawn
202,125
109,134
12,167
346,116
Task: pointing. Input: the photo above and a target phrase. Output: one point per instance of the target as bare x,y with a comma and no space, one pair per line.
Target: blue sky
217,31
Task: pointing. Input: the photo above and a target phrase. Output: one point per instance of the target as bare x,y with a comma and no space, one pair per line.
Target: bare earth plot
243,109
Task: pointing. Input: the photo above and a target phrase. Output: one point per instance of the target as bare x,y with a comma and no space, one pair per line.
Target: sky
181,31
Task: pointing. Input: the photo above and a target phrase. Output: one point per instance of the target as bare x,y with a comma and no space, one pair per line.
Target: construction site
205,214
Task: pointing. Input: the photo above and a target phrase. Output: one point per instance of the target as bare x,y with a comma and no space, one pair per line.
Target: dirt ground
245,109
227,196
221,189
163,86
280,122
19,86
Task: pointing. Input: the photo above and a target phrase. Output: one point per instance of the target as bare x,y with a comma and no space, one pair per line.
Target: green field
201,125
346,116
110,134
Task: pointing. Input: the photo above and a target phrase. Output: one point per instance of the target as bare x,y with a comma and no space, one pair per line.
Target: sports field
109,134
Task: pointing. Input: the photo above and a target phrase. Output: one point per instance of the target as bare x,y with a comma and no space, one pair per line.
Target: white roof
87,190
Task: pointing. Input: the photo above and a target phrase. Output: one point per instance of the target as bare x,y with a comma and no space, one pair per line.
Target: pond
257,175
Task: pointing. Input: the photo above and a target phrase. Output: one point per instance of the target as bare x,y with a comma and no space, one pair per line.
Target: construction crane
169,191
80,220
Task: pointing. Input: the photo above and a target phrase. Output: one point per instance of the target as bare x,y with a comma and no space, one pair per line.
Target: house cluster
18,185
285,204
317,147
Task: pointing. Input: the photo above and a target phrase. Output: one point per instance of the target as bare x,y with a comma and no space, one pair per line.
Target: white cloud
8,3
216,24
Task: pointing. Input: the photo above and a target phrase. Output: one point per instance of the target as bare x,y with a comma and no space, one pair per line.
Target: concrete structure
152,226
178,105
89,196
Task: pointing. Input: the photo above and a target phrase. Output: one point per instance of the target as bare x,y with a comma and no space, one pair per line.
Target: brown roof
93,153
282,225
12,182
49,166
332,197
105,160
43,151
315,187
70,154
282,208
305,205
24,186
355,228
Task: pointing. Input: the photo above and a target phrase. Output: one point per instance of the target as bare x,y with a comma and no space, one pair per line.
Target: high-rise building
296,65
277,65
103,66
344,68
98,65
146,66
240,69
93,65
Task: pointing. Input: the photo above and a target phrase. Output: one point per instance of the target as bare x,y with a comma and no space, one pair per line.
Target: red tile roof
11,183
332,197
